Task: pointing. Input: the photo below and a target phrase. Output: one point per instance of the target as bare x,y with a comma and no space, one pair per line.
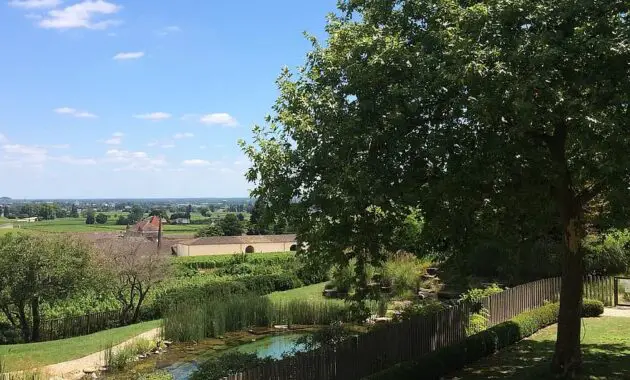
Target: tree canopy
496,118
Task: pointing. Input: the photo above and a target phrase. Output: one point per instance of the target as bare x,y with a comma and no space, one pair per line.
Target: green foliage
408,236
37,269
607,254
487,342
119,359
122,220
403,271
328,336
216,368
231,226
220,261
157,375
192,321
209,230
414,310
592,308
136,214
100,218
343,278
90,219
477,322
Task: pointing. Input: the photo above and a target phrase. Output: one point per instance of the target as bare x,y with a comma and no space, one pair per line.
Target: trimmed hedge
487,342
592,308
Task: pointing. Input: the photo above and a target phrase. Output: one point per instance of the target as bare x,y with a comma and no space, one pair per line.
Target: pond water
274,347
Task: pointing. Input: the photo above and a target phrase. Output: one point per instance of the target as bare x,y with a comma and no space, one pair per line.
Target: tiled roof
243,239
151,224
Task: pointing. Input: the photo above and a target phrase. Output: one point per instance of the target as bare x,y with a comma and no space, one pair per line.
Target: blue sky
115,98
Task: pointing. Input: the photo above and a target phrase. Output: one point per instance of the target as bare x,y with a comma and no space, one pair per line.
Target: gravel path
617,312
73,369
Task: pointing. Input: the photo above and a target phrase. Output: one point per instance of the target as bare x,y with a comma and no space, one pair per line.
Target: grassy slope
309,293
25,356
605,344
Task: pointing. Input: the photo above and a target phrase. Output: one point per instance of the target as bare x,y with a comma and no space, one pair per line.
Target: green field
78,225
31,355
605,347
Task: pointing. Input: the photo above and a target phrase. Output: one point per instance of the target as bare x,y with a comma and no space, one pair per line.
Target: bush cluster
487,342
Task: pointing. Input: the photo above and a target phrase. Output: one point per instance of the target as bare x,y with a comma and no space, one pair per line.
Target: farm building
220,245
148,227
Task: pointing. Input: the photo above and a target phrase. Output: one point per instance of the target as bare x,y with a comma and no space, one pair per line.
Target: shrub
403,272
227,364
607,254
592,308
343,278
418,309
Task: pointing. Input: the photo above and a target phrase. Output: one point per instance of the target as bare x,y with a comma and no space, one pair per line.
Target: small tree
39,269
135,215
133,266
101,218
122,220
90,219
231,225
209,230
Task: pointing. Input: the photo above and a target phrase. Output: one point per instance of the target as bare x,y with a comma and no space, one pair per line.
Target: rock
167,343
382,319
432,271
89,370
93,376
281,327
427,277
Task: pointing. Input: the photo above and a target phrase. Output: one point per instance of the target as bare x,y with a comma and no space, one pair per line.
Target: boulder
90,370
432,271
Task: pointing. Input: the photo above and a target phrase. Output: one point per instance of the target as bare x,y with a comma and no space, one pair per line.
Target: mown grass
605,345
25,356
311,293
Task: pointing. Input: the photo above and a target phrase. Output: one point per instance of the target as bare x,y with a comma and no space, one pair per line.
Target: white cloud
134,160
219,119
196,162
34,4
185,135
129,55
75,161
153,116
167,146
74,112
3,138
114,141
118,134
81,15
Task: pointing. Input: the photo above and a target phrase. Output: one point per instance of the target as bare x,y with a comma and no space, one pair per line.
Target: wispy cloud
118,134
168,30
3,138
185,135
34,4
219,119
153,116
196,162
137,161
129,55
74,112
116,139
89,14
74,160
19,155
60,146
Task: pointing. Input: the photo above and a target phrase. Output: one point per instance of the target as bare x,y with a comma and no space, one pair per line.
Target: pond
274,347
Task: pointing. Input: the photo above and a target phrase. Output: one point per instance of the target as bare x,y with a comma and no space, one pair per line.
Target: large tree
132,268
38,269
514,112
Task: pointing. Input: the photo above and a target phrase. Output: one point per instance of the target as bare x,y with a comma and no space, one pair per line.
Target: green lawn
605,343
309,293
31,355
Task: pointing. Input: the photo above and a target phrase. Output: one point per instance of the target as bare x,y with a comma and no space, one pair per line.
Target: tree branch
587,195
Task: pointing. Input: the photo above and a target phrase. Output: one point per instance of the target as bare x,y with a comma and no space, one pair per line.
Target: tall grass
117,360
22,375
198,320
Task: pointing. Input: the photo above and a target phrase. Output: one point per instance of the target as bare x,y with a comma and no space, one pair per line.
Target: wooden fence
391,344
69,327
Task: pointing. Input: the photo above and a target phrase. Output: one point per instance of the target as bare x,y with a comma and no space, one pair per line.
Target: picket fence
391,344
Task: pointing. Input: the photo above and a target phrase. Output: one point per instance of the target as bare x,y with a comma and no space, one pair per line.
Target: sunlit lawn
25,356
311,293
605,343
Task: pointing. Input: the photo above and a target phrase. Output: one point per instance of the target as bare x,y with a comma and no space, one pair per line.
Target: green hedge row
219,261
202,288
449,359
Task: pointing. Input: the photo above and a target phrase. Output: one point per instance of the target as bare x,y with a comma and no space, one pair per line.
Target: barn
221,245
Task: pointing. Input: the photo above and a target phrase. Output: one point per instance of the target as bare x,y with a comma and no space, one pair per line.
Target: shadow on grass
532,360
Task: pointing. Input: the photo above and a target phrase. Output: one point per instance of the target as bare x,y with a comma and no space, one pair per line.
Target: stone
93,376
281,327
167,343
89,370
432,271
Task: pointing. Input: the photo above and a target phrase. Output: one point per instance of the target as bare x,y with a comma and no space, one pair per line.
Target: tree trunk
37,320
24,325
567,358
